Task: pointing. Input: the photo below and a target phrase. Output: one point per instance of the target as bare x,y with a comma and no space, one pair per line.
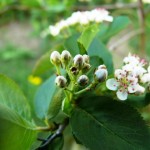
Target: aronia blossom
83,18
146,77
127,80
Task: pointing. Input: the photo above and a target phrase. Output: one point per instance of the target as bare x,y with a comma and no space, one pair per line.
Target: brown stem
142,26
111,6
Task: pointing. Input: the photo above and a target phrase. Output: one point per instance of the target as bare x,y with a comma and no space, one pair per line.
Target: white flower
146,77
134,64
131,59
140,89
137,69
81,18
127,79
124,83
54,30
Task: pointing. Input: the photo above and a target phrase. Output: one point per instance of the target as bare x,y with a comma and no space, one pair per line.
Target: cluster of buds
82,18
130,78
76,69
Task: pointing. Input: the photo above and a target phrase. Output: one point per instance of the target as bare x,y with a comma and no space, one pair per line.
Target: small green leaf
103,123
48,99
118,24
43,65
97,48
16,129
67,107
139,100
87,37
71,44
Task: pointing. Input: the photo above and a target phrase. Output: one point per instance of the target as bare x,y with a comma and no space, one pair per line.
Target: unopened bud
86,67
83,80
78,61
101,75
61,81
65,57
102,67
74,70
86,58
55,58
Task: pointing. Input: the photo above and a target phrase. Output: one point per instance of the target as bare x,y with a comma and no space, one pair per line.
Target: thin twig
111,6
142,26
58,133
125,38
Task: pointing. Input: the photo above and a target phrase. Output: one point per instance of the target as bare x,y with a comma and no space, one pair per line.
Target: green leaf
71,44
97,48
118,24
87,37
16,129
42,65
48,99
67,106
103,123
139,100
95,61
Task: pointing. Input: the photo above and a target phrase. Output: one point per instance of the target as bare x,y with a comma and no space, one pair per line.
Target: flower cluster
82,18
130,77
76,69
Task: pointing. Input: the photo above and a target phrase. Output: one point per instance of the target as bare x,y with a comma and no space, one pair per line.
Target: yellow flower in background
34,80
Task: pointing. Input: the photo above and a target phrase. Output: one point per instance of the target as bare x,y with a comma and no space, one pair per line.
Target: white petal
145,78
132,88
120,73
112,84
132,79
122,94
148,69
140,89
128,67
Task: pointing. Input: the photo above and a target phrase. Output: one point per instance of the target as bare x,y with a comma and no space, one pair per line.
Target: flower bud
78,61
100,74
102,67
65,57
55,58
61,81
74,70
86,67
83,80
86,58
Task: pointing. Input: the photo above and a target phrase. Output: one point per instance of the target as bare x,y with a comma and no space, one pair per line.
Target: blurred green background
23,24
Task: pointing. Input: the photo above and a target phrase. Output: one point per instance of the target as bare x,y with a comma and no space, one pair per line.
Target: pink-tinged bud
86,67
78,61
61,81
55,58
86,58
101,74
65,57
83,80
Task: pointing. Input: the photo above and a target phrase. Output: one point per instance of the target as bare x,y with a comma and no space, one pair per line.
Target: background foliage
25,47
